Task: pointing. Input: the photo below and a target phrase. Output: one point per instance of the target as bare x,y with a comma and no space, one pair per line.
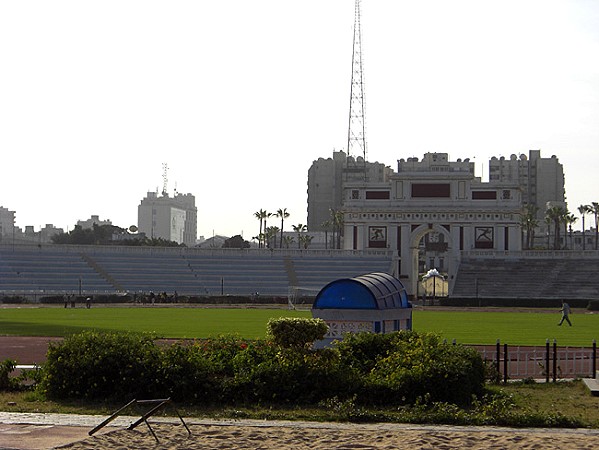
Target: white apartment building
170,218
93,220
541,181
7,222
429,212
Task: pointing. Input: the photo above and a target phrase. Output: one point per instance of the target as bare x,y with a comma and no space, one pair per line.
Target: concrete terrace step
593,385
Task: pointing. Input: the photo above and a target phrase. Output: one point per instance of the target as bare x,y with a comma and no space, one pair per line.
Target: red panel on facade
484,195
431,190
377,195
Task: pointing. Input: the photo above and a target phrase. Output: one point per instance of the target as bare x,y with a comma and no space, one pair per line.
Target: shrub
362,351
14,299
296,332
6,367
402,367
397,368
188,374
291,376
101,366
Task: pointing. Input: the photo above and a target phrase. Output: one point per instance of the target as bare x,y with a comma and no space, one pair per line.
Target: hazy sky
240,97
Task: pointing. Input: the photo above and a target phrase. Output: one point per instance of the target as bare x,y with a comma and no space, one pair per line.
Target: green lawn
513,328
466,327
165,322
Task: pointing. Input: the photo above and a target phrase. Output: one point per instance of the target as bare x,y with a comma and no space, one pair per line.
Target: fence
550,362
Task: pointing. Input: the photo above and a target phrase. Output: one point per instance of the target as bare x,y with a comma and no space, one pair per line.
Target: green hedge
398,368
296,332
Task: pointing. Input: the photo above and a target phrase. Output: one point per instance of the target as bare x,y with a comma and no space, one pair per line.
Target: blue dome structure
377,290
376,302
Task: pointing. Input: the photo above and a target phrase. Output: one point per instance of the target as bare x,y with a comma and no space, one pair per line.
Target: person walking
565,314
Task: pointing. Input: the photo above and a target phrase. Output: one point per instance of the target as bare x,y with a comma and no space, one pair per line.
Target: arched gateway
428,213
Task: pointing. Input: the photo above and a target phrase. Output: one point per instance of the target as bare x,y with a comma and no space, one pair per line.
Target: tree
594,209
569,219
271,236
261,215
236,242
299,229
556,214
97,235
583,209
287,241
306,240
326,226
529,222
283,214
337,221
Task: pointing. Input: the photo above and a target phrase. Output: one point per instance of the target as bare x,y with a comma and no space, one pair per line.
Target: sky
238,98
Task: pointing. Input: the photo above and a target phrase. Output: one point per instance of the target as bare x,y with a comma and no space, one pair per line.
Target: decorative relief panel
338,327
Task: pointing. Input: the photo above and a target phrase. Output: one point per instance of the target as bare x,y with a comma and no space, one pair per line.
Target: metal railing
549,362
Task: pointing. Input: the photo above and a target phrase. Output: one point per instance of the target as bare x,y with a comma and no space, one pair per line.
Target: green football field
466,327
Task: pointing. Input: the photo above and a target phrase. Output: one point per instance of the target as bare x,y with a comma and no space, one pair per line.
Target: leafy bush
295,332
6,367
188,374
297,377
95,365
412,366
362,351
14,299
398,368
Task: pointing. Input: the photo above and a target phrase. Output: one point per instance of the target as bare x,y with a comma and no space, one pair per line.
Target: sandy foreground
336,436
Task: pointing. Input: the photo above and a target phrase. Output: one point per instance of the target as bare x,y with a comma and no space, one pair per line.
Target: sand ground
331,436
47,431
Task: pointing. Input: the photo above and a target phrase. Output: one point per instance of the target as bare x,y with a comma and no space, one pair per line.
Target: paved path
25,349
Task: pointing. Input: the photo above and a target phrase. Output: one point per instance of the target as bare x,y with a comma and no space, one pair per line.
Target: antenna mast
164,180
356,135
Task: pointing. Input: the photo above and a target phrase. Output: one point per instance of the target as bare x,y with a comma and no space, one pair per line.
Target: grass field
466,327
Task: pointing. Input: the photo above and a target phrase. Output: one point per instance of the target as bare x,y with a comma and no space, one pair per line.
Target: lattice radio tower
356,134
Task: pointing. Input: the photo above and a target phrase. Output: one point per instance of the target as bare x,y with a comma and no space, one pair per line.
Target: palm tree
299,229
271,235
267,215
337,219
583,209
326,226
556,215
569,219
288,240
261,216
283,214
528,222
594,209
306,240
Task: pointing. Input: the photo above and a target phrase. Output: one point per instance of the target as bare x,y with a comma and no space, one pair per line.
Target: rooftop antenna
164,180
356,135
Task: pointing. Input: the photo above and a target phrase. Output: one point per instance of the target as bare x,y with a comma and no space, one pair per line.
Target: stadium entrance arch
431,247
